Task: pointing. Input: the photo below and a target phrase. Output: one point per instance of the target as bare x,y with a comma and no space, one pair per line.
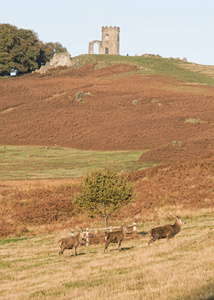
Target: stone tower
110,41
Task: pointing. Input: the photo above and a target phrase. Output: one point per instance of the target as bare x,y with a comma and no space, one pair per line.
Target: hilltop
161,105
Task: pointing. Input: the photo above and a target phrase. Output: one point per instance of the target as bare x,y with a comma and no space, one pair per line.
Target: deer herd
161,232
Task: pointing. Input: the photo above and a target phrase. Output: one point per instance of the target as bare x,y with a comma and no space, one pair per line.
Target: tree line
21,49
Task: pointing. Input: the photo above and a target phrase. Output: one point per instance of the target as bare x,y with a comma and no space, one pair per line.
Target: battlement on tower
111,27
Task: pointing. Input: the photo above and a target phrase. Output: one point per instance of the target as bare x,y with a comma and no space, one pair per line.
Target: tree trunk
105,216
105,221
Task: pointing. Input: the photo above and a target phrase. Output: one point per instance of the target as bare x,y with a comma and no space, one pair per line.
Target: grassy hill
150,117
155,65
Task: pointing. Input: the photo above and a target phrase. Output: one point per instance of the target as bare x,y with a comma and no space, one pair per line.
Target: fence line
94,235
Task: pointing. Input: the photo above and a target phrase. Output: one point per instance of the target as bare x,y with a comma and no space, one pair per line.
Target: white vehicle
13,72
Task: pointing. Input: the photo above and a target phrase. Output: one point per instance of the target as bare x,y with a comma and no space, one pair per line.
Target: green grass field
23,162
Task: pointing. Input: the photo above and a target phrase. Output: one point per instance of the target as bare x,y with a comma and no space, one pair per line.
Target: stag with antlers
167,231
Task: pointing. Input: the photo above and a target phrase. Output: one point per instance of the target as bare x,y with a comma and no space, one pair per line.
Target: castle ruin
109,43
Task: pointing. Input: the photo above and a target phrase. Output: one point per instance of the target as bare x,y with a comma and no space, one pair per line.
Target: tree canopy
104,192
21,49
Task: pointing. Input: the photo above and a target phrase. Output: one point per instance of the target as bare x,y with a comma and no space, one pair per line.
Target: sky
170,28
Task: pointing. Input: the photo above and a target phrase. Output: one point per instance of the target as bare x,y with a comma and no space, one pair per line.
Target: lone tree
104,192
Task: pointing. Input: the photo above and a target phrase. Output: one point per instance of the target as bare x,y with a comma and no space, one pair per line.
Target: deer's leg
119,245
106,246
151,241
63,247
169,237
75,251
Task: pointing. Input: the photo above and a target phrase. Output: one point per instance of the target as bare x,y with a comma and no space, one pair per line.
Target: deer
71,242
167,231
115,237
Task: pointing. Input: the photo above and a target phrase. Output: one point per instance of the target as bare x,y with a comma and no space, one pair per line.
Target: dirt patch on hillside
118,112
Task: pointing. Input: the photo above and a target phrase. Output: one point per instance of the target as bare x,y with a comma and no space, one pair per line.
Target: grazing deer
115,237
167,231
71,242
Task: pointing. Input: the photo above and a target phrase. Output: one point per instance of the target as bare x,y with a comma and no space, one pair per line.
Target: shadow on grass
127,248
142,233
122,249
72,255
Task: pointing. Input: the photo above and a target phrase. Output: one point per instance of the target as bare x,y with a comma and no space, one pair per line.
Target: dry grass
194,121
31,184
203,69
180,269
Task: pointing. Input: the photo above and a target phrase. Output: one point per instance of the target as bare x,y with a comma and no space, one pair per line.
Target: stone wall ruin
59,60
110,41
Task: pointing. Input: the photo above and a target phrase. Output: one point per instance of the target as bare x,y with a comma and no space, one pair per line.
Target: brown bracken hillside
112,108
172,119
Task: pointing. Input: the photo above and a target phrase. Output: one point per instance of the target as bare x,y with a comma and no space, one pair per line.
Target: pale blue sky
183,28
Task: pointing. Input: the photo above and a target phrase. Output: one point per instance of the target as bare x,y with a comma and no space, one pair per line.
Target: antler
177,217
171,216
